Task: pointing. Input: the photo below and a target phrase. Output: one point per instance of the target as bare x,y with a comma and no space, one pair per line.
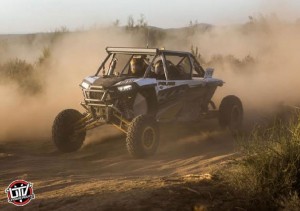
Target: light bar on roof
132,50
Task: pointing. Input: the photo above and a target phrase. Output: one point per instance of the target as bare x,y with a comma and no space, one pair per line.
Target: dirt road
102,176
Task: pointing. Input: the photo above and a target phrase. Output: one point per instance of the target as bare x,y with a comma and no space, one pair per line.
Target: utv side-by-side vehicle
135,89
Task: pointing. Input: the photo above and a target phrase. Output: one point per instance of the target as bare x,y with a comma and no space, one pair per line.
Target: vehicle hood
105,82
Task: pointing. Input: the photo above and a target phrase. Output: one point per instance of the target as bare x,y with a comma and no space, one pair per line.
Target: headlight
85,85
125,88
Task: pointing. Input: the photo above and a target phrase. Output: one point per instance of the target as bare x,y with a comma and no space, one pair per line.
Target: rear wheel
63,131
231,113
142,137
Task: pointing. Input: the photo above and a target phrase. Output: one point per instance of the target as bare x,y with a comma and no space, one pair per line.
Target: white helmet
159,68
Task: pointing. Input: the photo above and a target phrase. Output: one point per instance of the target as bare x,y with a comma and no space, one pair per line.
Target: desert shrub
137,25
23,74
235,63
268,175
239,66
44,58
58,34
290,202
3,48
197,55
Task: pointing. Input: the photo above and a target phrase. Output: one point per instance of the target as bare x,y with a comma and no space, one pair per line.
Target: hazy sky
26,16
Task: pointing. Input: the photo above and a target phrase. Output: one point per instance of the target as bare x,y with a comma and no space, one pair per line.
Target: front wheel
231,113
142,137
63,131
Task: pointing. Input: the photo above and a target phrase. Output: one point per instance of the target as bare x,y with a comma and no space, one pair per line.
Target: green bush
268,175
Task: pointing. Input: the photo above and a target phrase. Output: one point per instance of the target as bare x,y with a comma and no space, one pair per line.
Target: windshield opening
133,65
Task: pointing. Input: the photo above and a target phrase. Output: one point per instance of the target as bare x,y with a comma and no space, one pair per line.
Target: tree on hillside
130,23
133,25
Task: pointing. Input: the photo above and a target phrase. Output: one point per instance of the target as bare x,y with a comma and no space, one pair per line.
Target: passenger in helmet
173,71
159,70
138,66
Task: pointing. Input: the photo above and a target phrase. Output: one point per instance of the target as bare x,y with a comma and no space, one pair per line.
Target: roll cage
155,54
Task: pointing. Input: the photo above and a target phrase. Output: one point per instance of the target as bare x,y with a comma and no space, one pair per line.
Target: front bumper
99,103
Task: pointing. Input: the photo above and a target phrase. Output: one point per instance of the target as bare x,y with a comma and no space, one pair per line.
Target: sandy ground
102,176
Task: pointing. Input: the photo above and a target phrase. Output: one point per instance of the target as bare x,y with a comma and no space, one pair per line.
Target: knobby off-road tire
231,113
142,137
63,131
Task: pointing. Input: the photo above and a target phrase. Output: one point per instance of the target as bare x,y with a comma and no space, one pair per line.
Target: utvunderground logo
20,192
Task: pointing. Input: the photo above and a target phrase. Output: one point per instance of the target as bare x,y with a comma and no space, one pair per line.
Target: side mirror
209,72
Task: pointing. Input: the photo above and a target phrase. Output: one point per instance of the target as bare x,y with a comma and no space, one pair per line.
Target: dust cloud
274,77
271,78
73,57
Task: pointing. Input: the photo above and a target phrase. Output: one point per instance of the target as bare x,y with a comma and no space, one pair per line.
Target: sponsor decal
20,192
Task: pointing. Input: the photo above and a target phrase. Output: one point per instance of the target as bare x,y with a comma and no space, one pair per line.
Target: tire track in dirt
103,168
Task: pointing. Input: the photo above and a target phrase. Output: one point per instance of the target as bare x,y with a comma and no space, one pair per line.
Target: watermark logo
20,192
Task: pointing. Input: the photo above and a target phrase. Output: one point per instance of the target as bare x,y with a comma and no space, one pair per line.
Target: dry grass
268,176
23,74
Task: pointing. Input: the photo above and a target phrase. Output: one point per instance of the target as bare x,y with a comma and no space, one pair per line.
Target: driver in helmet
138,66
